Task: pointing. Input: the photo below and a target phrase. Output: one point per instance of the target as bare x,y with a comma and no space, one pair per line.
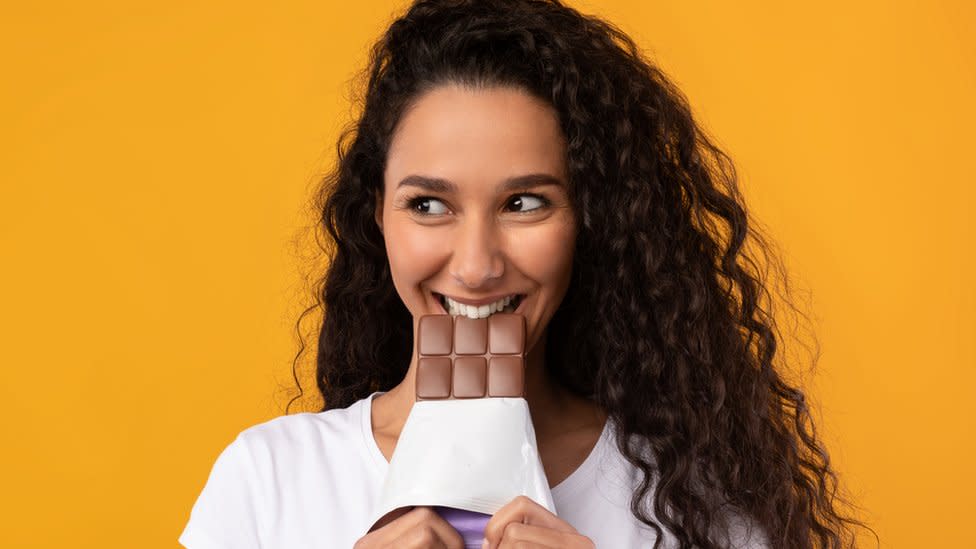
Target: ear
378,210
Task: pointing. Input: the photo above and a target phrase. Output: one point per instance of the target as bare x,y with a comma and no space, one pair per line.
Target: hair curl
678,340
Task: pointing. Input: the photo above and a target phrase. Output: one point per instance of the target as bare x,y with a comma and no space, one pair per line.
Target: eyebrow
438,185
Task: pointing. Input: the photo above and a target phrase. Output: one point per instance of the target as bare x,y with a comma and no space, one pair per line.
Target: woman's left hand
524,523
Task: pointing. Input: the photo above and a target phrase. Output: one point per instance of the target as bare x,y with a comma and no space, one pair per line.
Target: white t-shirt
310,480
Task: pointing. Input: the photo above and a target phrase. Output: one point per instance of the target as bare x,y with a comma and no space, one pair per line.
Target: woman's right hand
412,528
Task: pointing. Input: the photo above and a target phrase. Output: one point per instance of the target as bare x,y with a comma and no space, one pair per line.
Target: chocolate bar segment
461,357
437,338
434,377
470,377
470,335
507,334
506,377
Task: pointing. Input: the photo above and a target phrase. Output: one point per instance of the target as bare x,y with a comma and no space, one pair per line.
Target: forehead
476,136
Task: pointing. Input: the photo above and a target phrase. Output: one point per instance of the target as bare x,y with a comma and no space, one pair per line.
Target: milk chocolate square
461,357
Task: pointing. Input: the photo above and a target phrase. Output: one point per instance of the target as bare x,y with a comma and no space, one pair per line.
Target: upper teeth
477,311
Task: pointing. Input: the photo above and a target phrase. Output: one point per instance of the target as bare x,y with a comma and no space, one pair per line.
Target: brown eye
531,201
422,206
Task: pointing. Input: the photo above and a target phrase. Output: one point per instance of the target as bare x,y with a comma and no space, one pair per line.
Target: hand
524,523
412,528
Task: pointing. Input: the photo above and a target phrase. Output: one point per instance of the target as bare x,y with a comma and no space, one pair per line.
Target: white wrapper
472,454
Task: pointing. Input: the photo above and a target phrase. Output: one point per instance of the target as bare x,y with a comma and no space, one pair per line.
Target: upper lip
484,301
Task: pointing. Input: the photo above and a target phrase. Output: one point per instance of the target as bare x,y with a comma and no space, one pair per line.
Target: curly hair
678,339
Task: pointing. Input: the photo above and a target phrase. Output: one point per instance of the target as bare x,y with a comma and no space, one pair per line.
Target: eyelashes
413,204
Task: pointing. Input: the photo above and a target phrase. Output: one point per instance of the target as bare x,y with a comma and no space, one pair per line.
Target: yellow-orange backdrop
155,160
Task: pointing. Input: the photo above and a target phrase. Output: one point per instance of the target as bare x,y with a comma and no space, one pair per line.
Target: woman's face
476,205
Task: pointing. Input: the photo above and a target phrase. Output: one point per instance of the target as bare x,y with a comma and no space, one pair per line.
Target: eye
528,200
422,206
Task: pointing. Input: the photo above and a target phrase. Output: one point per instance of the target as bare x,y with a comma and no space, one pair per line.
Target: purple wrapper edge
470,524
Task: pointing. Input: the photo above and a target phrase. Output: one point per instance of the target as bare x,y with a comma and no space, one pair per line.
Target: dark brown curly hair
667,323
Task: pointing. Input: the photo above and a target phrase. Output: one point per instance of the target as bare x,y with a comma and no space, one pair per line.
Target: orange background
155,161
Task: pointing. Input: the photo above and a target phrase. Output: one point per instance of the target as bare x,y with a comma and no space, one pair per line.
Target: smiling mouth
512,307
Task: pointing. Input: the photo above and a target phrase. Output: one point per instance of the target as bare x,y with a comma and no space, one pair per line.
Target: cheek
546,255
414,253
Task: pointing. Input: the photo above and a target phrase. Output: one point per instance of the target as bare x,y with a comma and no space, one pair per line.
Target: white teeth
482,311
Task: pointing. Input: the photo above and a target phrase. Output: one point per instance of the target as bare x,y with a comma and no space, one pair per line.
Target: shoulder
289,466
303,433
290,452
284,430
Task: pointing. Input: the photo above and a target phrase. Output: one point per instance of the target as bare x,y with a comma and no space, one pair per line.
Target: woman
518,150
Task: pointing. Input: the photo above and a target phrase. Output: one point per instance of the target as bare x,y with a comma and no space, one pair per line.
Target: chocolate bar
460,357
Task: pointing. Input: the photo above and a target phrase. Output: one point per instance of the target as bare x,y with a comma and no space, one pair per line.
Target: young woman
516,152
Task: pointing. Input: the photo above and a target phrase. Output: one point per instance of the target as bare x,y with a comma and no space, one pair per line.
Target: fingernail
484,544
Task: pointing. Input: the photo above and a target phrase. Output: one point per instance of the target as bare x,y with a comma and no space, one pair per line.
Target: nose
478,258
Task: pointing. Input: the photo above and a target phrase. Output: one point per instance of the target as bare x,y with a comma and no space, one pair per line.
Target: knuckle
426,513
365,542
420,537
426,535
514,529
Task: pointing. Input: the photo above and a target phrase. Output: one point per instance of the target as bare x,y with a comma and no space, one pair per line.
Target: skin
476,241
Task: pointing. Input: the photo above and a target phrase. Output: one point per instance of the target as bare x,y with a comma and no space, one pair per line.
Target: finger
525,511
396,526
390,517
427,529
389,527
386,529
517,534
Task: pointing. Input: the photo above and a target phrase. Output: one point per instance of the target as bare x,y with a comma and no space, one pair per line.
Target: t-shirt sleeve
226,512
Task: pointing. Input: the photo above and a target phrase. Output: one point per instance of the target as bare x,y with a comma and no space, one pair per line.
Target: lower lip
517,310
